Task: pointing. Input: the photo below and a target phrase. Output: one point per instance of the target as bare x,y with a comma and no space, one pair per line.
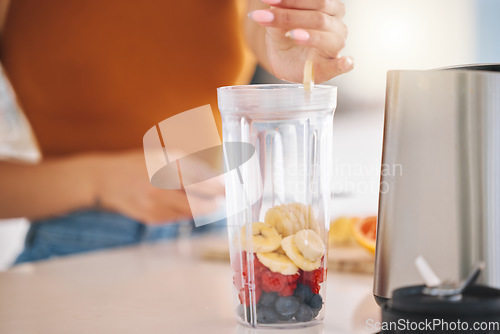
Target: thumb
338,66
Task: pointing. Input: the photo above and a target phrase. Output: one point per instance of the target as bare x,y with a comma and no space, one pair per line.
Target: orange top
95,75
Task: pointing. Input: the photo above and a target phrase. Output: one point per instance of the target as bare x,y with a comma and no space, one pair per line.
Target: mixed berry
278,297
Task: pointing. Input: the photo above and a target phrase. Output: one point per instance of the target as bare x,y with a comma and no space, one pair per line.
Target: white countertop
159,288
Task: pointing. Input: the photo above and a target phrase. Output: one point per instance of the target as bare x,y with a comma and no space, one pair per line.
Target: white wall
12,234
397,34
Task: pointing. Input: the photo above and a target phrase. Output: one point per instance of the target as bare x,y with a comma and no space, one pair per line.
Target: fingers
335,67
202,180
292,18
173,205
327,43
330,7
315,23
209,188
202,206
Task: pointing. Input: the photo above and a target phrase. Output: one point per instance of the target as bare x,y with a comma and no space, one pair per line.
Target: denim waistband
90,230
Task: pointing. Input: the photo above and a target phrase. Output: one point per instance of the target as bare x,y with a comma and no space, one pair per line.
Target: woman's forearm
51,188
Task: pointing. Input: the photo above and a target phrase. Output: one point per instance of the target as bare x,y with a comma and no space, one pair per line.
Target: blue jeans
85,231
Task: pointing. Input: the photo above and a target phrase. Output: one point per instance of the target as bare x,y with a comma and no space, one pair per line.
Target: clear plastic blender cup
277,197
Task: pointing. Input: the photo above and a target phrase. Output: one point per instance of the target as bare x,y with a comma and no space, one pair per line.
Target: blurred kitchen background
383,35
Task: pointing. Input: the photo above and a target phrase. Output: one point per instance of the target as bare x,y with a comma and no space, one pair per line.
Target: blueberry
315,312
315,302
268,299
287,306
266,315
303,292
304,313
285,317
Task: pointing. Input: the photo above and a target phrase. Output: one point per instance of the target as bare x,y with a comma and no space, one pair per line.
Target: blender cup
277,141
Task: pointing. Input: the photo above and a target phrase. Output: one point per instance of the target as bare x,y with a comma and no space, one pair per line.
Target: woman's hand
123,186
118,181
297,30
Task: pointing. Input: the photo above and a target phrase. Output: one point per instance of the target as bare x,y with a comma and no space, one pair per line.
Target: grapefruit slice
365,232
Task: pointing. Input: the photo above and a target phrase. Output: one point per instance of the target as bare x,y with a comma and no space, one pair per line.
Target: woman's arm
4,6
284,35
46,189
119,182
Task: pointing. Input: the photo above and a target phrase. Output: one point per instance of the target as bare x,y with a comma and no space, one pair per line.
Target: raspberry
293,278
240,279
264,280
239,264
273,282
314,278
288,290
314,287
259,268
244,299
244,295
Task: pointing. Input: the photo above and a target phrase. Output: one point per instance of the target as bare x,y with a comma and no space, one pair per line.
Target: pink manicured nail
298,35
348,64
271,2
262,16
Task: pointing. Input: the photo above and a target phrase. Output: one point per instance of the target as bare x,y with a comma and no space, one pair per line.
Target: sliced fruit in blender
273,282
278,263
290,218
310,244
293,252
263,238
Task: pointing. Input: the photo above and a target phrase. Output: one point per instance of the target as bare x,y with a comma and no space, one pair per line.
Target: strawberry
273,282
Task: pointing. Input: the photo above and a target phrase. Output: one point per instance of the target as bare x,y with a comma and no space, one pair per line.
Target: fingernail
298,35
271,2
348,64
262,16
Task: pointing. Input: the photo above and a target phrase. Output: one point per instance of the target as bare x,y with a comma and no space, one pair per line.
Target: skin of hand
123,186
119,181
297,30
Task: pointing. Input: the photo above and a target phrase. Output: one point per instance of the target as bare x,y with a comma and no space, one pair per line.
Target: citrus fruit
341,231
365,231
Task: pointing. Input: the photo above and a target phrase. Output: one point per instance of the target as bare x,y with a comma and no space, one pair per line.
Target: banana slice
309,244
288,219
264,238
293,252
278,263
308,79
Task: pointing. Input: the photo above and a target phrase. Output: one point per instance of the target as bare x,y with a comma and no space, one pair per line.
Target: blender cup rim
274,98
271,86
